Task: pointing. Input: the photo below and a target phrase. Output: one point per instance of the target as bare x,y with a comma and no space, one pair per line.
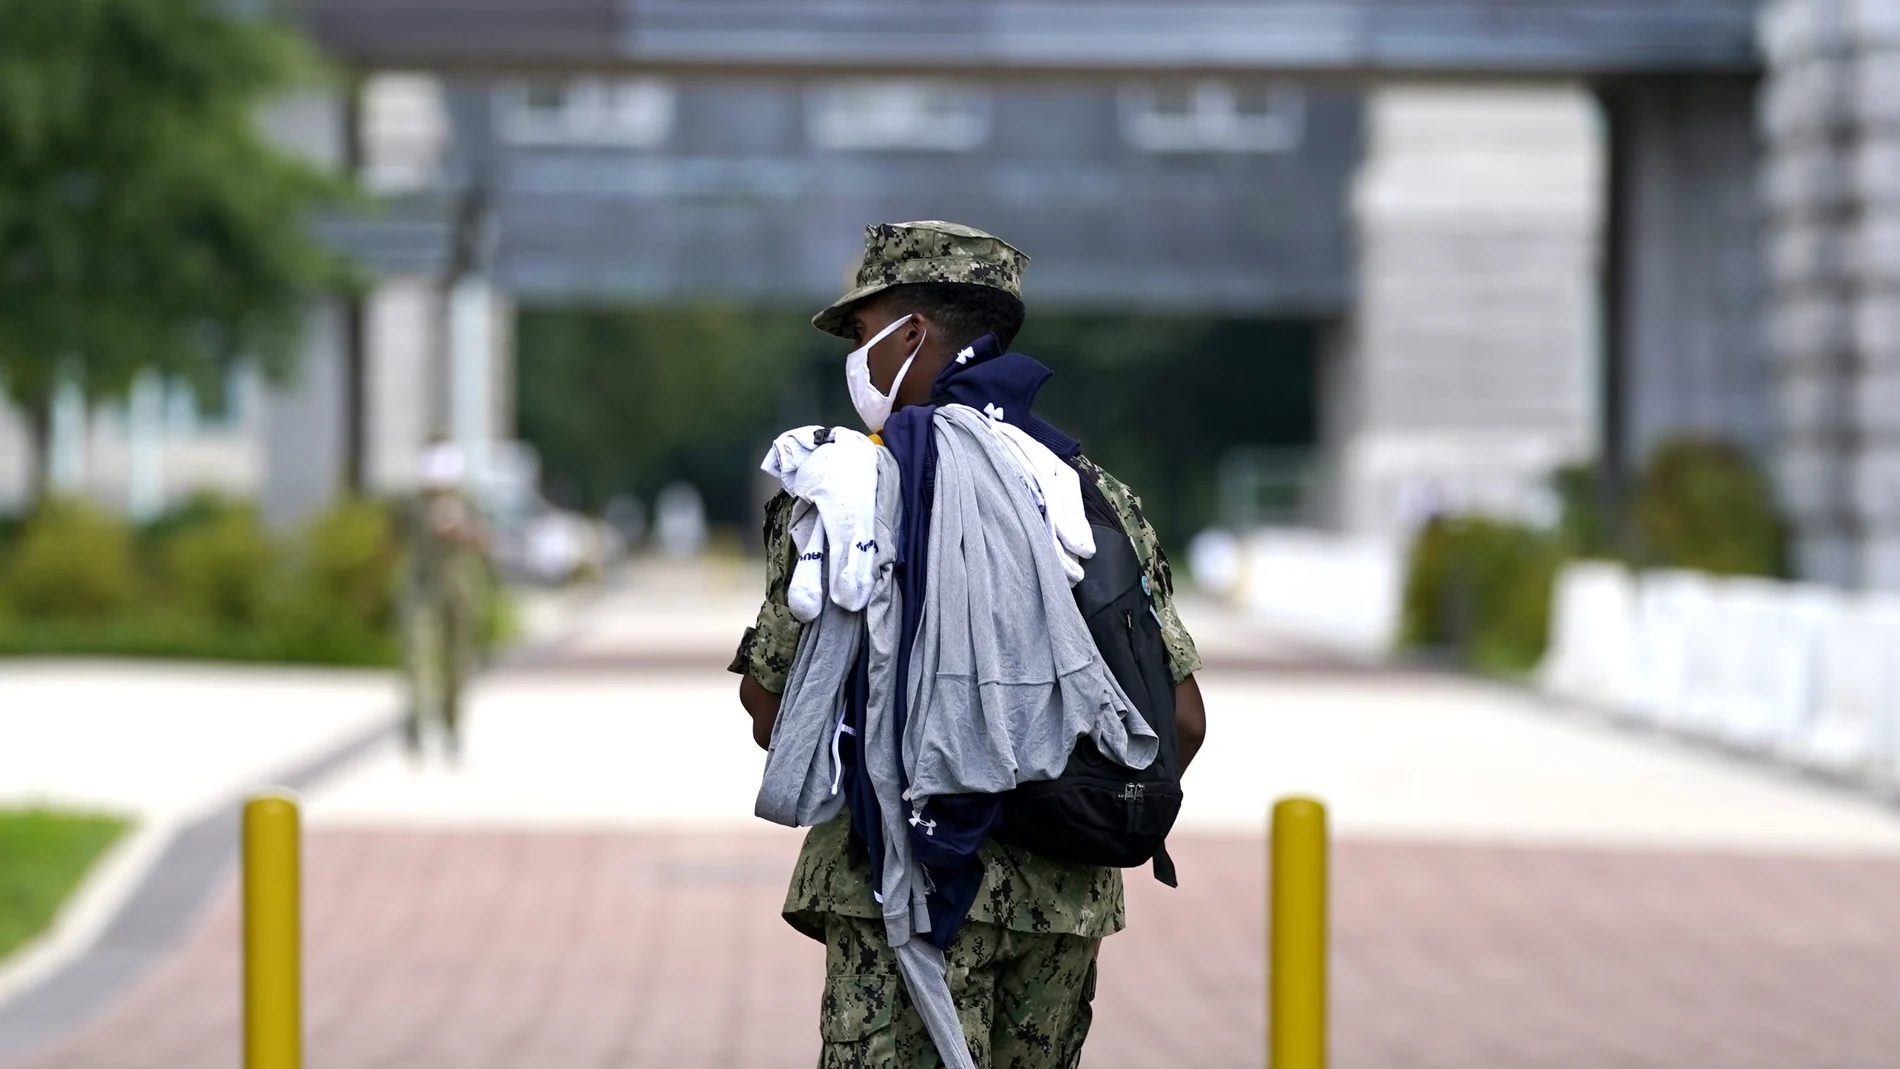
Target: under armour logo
929,826
993,411
964,356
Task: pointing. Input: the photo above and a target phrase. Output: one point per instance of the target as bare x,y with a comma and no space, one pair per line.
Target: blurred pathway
1514,887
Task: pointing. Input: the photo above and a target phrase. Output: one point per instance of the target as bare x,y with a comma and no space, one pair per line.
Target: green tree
626,399
146,220
1160,400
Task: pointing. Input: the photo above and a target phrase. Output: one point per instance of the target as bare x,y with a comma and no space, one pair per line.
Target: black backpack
1099,812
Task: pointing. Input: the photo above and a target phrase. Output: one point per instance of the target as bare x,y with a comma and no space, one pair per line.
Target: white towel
836,470
1057,490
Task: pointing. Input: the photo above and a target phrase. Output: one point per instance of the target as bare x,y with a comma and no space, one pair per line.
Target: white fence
1801,673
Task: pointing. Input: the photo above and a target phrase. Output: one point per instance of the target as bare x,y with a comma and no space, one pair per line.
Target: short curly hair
963,311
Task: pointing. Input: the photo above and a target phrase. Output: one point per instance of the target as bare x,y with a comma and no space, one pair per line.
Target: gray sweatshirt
1004,675
801,787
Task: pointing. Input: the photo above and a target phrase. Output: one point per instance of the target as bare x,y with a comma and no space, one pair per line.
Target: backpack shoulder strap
1095,504
1115,570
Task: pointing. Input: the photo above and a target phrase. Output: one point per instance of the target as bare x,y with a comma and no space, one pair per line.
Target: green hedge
208,581
71,561
1703,504
1480,588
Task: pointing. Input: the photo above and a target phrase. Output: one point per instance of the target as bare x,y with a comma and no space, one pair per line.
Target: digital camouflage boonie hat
898,254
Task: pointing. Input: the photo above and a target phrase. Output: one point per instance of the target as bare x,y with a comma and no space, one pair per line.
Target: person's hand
762,706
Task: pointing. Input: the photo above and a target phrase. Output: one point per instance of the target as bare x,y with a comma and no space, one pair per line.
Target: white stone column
403,318
145,446
69,434
1468,372
304,425
471,377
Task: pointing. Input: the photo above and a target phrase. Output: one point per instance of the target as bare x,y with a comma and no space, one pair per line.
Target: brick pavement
463,950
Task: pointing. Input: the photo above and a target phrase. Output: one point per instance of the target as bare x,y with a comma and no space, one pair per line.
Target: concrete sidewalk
1515,885
1396,757
159,740
609,950
170,746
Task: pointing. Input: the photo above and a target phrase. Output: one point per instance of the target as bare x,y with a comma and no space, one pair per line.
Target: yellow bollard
1296,1011
273,937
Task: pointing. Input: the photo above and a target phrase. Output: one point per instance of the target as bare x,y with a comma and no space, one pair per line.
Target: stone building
1830,111
1552,236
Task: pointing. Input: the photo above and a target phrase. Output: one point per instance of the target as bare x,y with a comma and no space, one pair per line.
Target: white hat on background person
443,467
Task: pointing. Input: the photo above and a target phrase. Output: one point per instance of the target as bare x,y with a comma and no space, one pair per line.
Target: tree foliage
624,400
1160,401
146,220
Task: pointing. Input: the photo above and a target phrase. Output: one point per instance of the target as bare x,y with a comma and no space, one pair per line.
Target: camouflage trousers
436,660
1023,997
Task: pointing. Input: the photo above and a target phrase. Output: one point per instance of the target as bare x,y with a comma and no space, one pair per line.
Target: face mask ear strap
888,330
908,361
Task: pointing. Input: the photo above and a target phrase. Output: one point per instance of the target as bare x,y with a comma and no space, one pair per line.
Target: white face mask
874,407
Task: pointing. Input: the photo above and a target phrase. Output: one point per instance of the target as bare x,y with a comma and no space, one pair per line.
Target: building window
1214,116
865,115
405,130
624,113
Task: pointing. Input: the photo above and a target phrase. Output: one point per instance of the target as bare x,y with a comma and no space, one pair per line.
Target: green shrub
1585,527
10,527
1481,588
196,510
72,561
221,566
338,604
1703,504
224,588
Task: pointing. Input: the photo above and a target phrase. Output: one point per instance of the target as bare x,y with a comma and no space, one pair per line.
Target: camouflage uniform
1022,968
1001,980
438,609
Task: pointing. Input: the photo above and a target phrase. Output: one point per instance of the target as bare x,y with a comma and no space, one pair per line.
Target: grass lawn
44,853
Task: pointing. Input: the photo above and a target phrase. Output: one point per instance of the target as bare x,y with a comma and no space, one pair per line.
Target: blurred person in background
445,543
932,302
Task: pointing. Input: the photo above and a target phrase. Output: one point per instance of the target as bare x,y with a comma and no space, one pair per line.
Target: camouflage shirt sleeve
1183,659
765,652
